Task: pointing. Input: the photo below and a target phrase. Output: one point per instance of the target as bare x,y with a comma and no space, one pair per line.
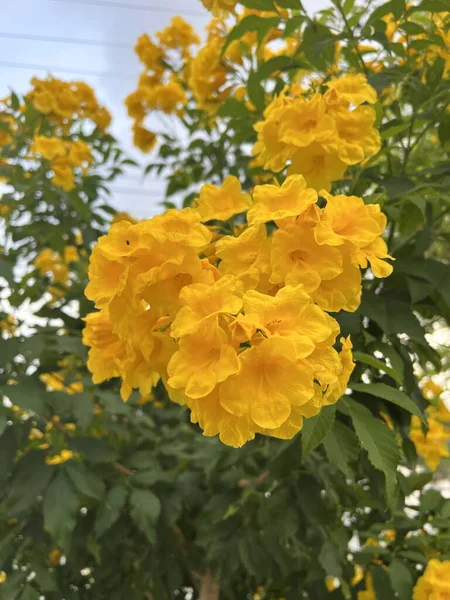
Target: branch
208,588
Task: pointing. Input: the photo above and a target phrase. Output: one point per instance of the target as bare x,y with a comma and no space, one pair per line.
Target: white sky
93,40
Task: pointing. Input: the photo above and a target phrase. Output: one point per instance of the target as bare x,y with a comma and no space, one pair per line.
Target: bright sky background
93,40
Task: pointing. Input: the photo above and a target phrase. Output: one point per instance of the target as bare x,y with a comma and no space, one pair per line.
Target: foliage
106,499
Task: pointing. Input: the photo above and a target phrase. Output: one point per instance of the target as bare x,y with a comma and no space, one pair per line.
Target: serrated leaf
110,511
59,507
390,394
315,429
341,447
252,553
145,508
378,440
85,481
30,478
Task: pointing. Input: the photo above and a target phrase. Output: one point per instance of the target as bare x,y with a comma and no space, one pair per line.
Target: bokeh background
93,40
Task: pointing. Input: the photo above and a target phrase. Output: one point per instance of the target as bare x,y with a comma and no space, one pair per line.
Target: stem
351,37
208,589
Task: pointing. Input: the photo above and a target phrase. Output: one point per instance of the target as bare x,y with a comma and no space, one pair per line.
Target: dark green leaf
145,508
60,506
315,429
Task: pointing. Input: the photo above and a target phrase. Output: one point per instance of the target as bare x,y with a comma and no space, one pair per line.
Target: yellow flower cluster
434,583
65,101
64,157
235,325
159,88
220,8
322,135
50,262
434,445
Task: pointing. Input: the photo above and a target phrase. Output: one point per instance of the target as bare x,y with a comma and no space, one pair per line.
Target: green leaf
315,429
390,394
28,393
252,553
29,593
370,360
431,6
110,511
83,409
145,508
250,23
401,579
31,477
95,450
85,481
329,558
393,130
60,506
258,4
382,583
378,440
341,447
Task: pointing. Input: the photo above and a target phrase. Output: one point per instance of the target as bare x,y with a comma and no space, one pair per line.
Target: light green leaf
378,440
315,429
390,394
393,130
370,360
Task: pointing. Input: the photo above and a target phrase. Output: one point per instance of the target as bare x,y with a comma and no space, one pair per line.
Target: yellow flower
49,261
296,257
203,360
219,7
48,147
268,384
435,582
168,97
222,202
431,389
348,219
272,202
54,557
208,76
181,227
201,304
215,420
318,165
3,577
357,139
369,592
291,315
342,292
358,575
337,389
149,53
63,174
352,89
247,256
71,254
143,138
270,151
79,154
60,458
432,446
178,34
304,122
332,583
